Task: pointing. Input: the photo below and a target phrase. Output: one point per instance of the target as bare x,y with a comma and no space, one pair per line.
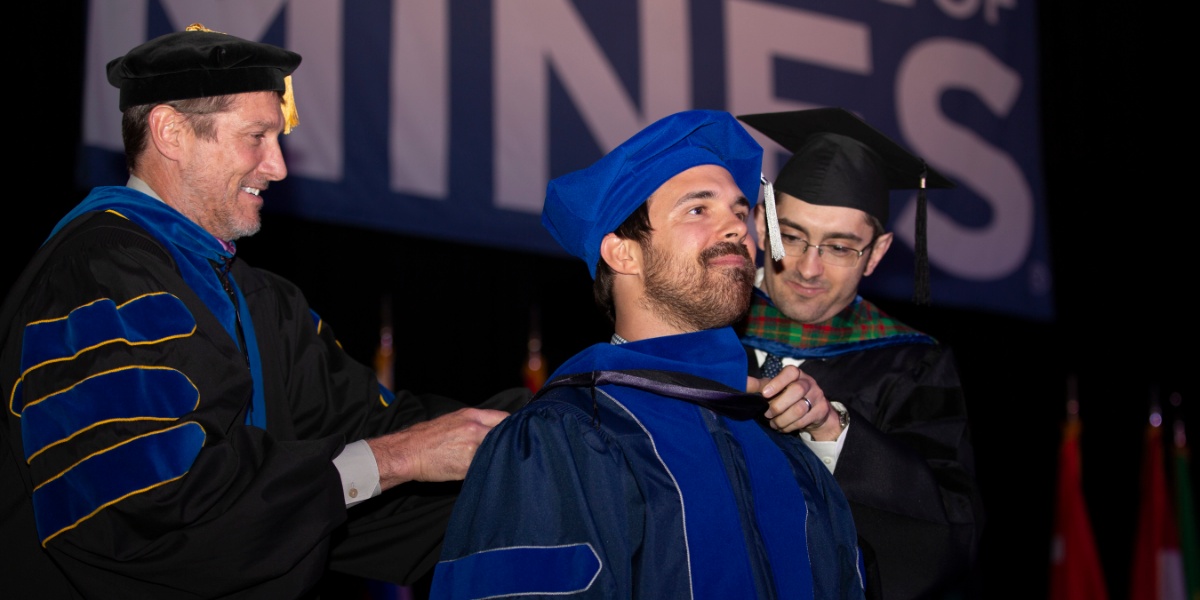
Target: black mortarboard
840,160
198,63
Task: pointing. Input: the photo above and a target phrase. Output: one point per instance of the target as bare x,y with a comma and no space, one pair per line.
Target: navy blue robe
622,493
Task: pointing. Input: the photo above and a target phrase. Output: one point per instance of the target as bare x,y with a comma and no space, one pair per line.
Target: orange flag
534,371
385,352
1075,572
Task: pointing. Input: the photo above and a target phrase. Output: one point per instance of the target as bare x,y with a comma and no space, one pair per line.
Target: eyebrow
267,124
708,195
696,195
837,235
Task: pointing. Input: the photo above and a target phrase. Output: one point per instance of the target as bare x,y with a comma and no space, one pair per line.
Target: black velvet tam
840,160
197,64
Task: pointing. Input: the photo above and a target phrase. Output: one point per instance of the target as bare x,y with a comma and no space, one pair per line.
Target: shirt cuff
829,451
359,472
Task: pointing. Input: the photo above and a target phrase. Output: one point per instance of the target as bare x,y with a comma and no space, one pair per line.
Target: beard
690,294
239,221
220,211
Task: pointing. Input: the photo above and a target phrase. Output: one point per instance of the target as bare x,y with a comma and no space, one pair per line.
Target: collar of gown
714,354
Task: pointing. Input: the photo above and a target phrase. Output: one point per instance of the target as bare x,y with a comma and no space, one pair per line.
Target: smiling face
802,286
698,263
221,177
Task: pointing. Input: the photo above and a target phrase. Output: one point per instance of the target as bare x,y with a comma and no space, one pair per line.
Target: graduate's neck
633,330
638,319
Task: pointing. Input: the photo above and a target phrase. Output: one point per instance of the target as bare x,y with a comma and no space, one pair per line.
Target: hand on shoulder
440,449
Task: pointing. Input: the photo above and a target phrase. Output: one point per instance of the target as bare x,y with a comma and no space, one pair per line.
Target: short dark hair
876,227
636,227
198,112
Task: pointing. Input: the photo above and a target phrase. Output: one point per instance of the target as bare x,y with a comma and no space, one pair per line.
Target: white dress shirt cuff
359,472
828,452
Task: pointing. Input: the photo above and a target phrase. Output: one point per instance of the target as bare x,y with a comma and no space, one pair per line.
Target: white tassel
772,219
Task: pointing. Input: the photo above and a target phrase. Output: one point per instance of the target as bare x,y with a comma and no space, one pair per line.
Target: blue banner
447,118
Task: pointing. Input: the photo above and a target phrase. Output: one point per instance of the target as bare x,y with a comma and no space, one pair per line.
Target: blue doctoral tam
584,206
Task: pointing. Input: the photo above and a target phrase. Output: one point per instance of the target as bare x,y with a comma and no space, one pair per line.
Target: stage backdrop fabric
445,119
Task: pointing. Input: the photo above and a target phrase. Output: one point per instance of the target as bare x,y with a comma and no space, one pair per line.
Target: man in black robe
179,423
904,459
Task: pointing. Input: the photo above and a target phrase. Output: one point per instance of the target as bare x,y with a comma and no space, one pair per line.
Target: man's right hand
797,403
440,449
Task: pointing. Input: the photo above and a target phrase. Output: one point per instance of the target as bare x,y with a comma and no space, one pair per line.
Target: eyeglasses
830,254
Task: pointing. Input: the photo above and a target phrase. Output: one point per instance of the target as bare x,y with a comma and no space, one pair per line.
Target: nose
809,262
273,166
735,229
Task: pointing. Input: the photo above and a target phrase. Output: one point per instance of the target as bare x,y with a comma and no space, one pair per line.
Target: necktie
771,366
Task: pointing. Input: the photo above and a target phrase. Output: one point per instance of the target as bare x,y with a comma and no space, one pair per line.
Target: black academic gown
130,468
906,466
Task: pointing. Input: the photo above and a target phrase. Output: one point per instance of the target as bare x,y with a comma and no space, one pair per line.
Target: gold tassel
290,117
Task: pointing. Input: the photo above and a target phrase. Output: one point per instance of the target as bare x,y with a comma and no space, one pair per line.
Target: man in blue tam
642,469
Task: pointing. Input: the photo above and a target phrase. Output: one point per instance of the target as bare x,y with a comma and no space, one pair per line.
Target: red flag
1157,564
1075,572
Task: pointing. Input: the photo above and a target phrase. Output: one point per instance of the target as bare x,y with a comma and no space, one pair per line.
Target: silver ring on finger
808,402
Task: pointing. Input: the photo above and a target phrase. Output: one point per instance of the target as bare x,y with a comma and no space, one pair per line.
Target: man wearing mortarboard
177,423
904,457
641,470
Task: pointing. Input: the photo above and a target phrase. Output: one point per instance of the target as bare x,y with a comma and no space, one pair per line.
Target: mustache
724,249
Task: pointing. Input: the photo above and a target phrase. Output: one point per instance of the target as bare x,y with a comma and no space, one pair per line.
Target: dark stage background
1118,229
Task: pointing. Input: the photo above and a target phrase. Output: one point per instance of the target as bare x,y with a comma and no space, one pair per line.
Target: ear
760,225
882,243
167,131
623,256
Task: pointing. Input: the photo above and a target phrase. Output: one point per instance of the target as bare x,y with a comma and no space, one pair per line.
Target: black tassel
921,293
